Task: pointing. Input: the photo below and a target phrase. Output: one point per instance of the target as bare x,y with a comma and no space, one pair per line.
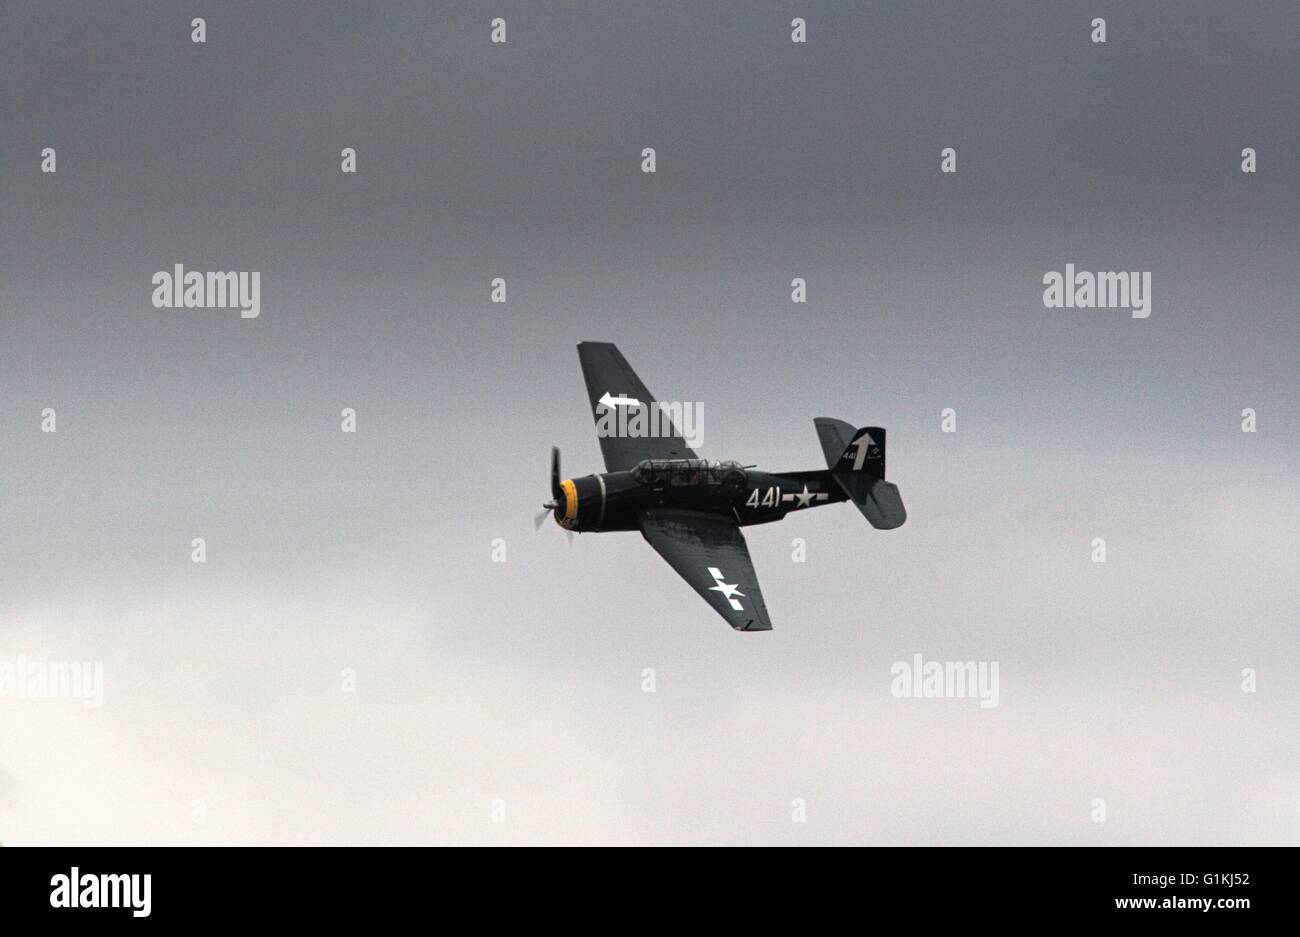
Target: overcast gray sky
520,683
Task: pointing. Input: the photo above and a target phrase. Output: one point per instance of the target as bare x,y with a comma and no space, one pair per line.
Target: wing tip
758,622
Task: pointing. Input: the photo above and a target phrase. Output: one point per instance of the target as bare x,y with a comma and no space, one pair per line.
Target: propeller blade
556,492
540,518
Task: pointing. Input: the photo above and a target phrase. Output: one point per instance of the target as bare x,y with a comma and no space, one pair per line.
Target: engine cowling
581,503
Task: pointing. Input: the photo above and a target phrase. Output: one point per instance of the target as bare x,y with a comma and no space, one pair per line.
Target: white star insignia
728,589
804,497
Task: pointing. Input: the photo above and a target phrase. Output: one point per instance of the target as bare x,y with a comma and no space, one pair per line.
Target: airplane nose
566,505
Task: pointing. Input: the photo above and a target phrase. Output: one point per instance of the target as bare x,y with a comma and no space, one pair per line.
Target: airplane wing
609,376
709,552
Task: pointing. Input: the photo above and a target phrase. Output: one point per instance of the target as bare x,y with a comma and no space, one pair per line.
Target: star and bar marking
728,589
805,497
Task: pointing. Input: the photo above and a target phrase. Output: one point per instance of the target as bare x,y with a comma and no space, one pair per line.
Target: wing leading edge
709,552
609,376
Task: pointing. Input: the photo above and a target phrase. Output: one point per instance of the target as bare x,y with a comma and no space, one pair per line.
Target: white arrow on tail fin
622,400
862,444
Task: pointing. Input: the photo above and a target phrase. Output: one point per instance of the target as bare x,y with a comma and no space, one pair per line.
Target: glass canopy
689,473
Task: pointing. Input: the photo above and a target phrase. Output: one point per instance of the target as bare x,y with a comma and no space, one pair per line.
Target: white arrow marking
862,444
622,400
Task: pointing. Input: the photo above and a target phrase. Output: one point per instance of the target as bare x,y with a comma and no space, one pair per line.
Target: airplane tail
856,458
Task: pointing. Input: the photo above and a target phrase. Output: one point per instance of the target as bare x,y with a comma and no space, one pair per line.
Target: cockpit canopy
689,473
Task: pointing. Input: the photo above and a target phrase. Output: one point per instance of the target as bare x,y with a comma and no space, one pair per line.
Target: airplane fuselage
614,500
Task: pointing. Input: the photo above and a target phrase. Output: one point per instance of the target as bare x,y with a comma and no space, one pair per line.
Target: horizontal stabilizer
835,436
877,499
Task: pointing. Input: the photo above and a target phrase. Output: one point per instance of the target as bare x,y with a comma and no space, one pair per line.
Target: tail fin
856,458
852,450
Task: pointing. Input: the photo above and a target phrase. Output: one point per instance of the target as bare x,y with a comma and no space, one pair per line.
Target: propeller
557,495
555,475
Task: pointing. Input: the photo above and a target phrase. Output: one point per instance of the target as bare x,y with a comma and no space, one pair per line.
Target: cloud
235,701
